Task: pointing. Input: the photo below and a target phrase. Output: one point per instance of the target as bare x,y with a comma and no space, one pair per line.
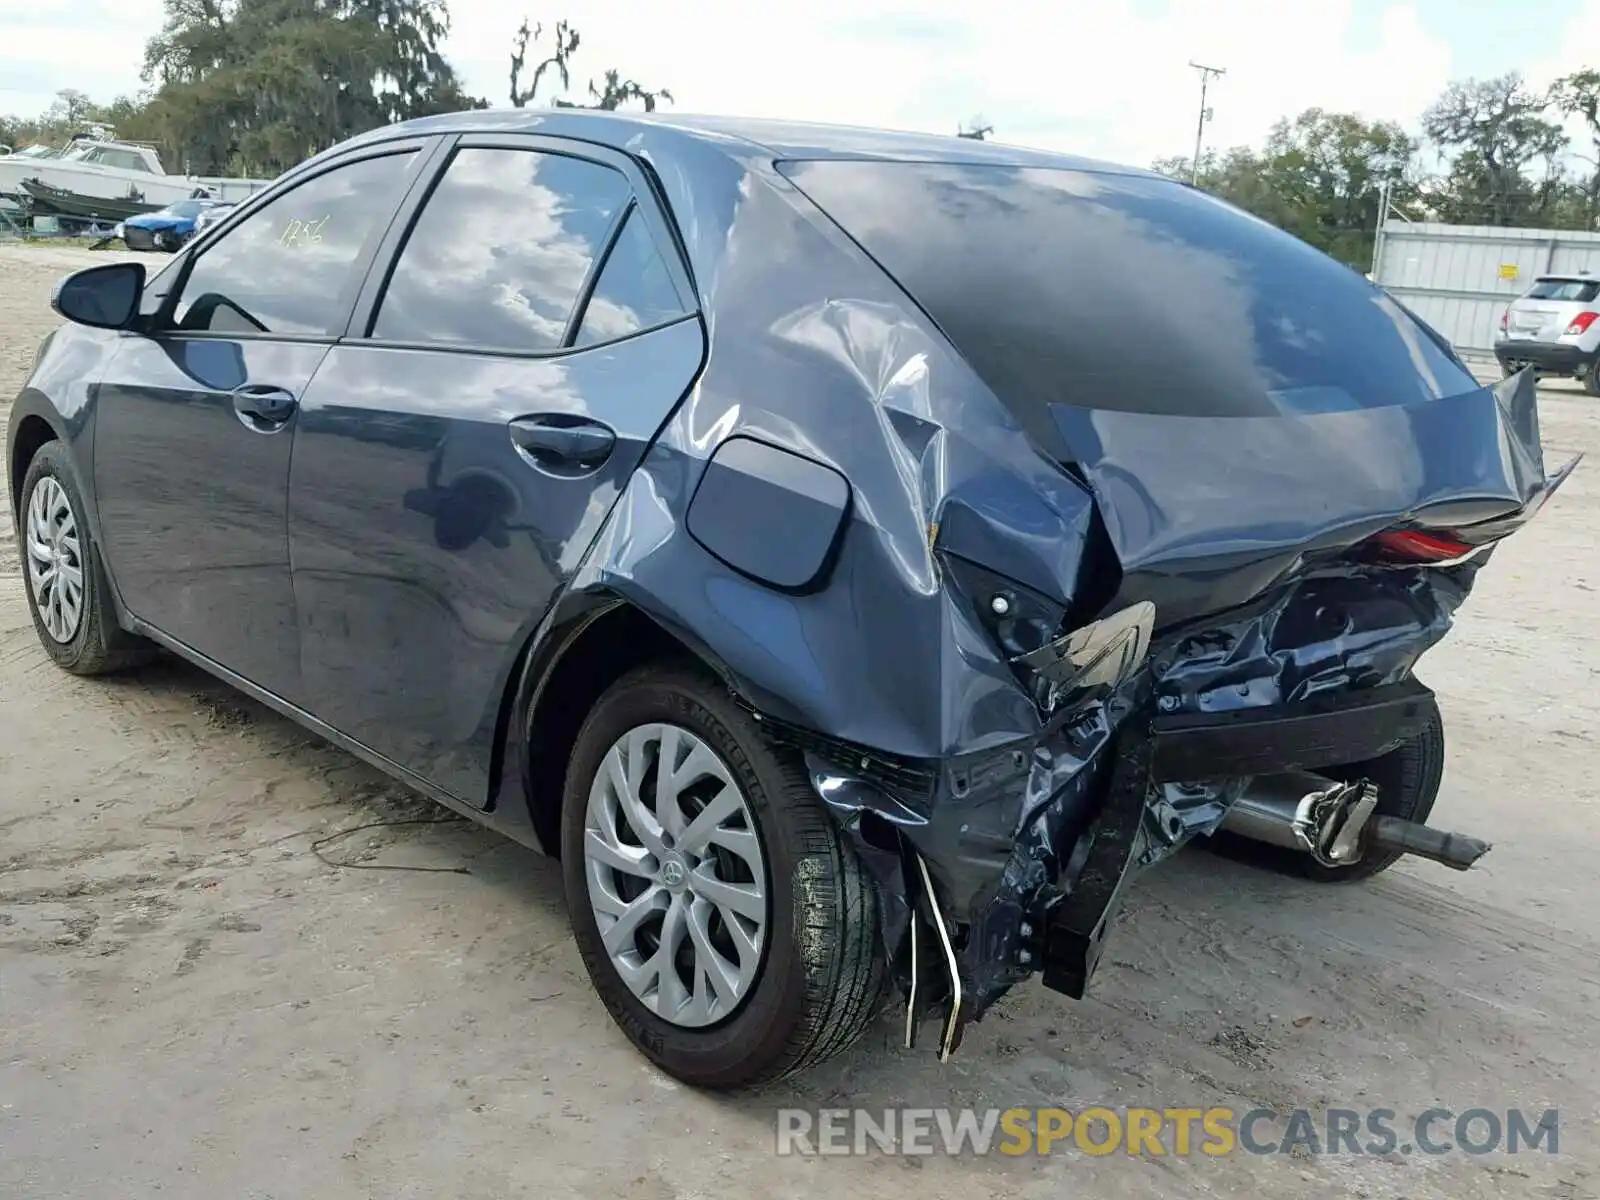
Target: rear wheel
730,931
1591,378
66,585
1408,783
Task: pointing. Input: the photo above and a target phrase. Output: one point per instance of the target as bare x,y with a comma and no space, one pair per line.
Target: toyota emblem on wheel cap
672,873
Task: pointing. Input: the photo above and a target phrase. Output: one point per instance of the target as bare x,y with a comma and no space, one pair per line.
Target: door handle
265,403
563,441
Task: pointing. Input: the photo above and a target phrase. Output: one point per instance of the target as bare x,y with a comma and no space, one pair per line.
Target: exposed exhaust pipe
1457,850
1332,821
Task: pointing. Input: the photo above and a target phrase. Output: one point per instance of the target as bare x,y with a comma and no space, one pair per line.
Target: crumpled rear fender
846,627
862,657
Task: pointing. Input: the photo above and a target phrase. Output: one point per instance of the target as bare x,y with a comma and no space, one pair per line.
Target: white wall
1450,275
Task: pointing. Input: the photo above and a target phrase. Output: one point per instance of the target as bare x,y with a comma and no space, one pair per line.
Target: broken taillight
1581,322
1414,546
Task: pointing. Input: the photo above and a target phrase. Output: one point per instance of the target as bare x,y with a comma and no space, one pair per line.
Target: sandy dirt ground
195,1002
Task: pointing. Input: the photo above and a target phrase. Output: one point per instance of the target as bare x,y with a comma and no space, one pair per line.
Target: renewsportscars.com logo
1213,1132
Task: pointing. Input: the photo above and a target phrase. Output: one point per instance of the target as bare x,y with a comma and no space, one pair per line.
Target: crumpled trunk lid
1206,512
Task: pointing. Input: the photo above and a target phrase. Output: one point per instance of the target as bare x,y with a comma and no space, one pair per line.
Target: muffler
1332,821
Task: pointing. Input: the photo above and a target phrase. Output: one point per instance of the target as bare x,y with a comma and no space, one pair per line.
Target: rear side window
290,267
634,290
1129,292
501,250
1580,290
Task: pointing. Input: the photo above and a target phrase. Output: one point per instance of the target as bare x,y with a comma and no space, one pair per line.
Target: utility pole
1386,208
1205,114
1377,235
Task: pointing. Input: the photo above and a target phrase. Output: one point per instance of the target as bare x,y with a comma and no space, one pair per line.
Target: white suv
1555,329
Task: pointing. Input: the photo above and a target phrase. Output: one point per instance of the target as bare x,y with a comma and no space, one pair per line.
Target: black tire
1591,380
99,645
1408,783
821,980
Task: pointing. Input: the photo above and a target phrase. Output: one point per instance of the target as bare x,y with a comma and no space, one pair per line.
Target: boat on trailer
57,202
98,177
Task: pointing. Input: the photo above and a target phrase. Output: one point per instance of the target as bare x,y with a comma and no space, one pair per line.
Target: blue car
855,555
166,229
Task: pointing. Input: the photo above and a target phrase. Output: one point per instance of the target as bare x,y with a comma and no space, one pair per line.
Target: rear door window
1130,292
634,290
502,250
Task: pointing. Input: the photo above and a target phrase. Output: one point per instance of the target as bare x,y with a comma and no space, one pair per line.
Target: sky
1107,79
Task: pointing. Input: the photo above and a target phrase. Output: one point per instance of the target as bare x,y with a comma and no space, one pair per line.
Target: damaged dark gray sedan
856,554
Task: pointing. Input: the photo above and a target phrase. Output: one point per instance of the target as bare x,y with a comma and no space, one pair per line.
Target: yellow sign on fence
1508,270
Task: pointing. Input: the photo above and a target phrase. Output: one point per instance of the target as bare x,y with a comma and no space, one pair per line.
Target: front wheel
68,594
729,929
1408,783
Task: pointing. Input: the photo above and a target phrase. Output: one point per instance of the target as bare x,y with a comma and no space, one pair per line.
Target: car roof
777,138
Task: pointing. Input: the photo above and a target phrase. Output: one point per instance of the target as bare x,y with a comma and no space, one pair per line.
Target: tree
72,109
1578,95
1331,170
1499,130
615,92
1319,177
75,112
566,46
259,85
618,92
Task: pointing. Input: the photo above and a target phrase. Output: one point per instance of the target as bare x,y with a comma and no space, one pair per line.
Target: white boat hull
113,183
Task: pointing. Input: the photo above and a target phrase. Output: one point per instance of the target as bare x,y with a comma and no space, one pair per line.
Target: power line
1206,74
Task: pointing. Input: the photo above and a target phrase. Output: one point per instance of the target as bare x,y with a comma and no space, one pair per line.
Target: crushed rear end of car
1113,518
1245,665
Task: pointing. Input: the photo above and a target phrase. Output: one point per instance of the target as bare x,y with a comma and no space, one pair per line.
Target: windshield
184,208
1581,290
1130,292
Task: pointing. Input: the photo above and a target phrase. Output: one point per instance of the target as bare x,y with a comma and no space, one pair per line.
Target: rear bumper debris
1135,829
1016,861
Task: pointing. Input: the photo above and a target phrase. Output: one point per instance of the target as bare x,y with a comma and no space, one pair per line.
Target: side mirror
104,297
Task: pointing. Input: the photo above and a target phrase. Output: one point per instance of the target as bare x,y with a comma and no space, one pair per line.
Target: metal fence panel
1460,278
